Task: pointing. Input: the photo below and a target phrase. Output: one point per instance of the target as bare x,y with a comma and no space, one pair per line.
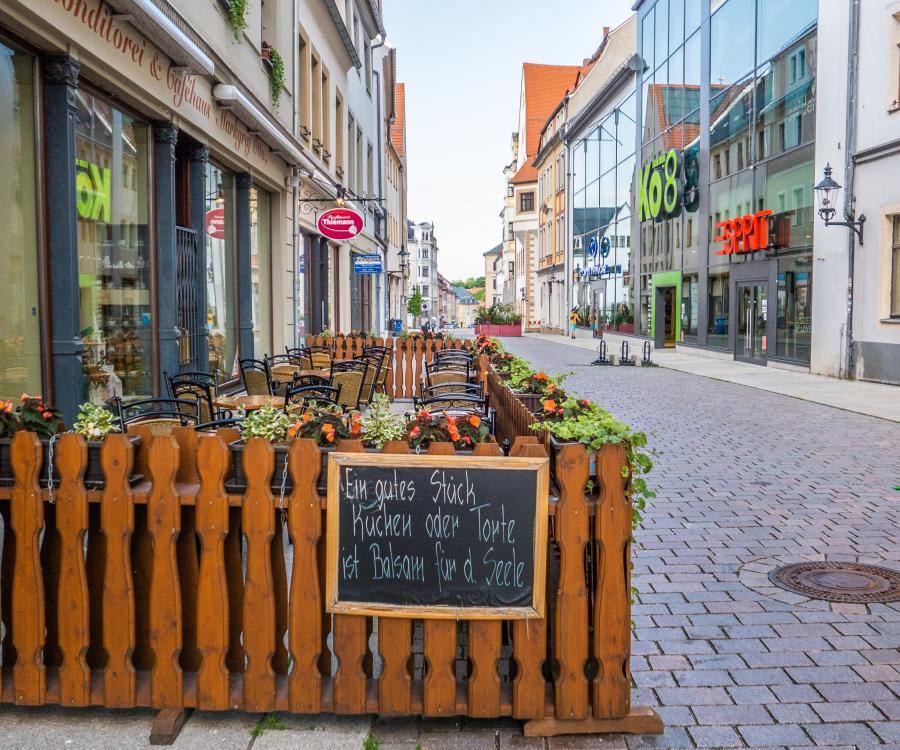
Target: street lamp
403,255
827,193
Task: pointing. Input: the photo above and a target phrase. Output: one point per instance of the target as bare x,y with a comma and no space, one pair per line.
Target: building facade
163,232
732,259
395,174
493,276
466,307
423,269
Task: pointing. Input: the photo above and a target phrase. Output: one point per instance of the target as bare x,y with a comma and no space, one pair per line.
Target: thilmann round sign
340,224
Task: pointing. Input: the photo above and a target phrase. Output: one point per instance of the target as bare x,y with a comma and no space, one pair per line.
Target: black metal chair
301,396
256,376
171,411
450,389
300,356
453,354
349,375
193,390
218,424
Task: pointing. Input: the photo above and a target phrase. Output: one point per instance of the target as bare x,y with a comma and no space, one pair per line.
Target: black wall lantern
827,194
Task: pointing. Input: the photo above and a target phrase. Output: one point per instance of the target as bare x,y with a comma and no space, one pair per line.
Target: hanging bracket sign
367,263
340,224
436,536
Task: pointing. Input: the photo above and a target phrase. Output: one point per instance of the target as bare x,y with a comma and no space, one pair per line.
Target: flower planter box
93,473
490,329
532,401
237,483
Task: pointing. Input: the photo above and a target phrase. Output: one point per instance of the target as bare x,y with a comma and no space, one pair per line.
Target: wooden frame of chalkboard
535,608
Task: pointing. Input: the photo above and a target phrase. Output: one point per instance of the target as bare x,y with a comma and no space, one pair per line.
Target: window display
221,282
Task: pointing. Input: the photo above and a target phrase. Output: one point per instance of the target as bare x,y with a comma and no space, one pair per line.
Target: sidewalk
872,399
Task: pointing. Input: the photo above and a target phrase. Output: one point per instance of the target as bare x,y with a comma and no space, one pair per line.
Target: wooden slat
259,607
51,654
117,522
6,575
279,590
188,577
529,637
612,606
439,691
212,593
234,572
409,374
165,617
27,520
395,645
350,645
72,524
306,635
572,524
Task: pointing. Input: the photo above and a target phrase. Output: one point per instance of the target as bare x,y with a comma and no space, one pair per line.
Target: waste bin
396,326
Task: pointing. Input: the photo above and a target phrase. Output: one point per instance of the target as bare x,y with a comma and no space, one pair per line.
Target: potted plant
464,430
32,415
426,428
532,387
380,425
94,422
326,425
270,424
467,430
502,363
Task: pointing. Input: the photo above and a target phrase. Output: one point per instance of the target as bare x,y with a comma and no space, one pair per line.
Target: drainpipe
850,170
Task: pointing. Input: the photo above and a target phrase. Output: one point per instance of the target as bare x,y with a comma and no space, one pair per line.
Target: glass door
752,309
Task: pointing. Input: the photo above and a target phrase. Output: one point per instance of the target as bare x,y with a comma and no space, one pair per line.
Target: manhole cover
839,582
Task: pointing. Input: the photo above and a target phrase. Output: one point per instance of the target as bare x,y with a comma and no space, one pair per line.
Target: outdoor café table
280,371
249,403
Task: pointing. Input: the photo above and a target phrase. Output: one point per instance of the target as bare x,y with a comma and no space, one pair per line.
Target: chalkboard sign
436,536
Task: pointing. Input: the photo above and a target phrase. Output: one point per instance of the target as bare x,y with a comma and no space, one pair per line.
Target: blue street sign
592,247
604,247
370,263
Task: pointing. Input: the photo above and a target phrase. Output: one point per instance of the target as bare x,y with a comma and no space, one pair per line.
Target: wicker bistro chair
450,388
256,377
370,382
461,355
202,393
384,369
164,413
301,357
279,383
208,378
298,397
440,377
349,375
465,366
320,357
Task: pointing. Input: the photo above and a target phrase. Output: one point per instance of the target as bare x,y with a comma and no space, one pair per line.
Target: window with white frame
895,269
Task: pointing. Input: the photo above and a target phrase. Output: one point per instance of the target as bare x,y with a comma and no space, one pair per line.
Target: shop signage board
368,263
592,247
660,187
593,272
436,536
604,247
340,224
745,234
215,223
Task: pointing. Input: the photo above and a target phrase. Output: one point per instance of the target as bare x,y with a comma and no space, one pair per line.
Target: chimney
605,32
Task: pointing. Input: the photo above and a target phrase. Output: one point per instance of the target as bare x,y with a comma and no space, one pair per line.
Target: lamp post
827,193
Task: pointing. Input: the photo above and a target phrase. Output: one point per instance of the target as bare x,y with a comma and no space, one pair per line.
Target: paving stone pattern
748,480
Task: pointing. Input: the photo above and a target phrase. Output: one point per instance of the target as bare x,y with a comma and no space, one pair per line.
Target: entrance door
752,313
664,317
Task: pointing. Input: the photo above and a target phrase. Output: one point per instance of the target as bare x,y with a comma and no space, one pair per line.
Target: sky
461,61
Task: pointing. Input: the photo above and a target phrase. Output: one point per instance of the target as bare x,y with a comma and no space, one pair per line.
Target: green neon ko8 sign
660,187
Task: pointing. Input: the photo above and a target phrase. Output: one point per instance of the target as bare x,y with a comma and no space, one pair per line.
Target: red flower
46,415
415,431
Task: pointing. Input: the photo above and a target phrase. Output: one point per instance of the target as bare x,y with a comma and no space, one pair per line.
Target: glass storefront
759,90
260,272
221,280
20,323
112,185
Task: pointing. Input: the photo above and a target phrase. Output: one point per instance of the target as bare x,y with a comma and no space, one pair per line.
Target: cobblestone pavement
747,480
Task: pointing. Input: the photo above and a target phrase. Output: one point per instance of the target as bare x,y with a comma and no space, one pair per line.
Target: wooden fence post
72,600
165,618
259,605
212,590
27,519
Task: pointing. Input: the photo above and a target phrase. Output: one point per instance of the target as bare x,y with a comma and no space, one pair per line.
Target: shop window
112,183
794,324
221,281
729,118
895,270
676,23
261,271
784,185
692,13
717,328
648,39
785,105
731,42
662,31
779,22
20,324
526,202
690,307
692,60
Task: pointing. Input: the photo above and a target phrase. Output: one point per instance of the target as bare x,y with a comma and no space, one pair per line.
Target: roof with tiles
544,85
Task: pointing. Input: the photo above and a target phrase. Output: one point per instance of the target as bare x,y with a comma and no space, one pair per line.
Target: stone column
243,183
60,86
165,136
198,159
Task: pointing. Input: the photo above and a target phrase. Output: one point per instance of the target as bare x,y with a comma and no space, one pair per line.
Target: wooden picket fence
139,596
408,357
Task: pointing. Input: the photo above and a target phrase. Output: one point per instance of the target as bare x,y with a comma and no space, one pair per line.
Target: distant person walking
573,321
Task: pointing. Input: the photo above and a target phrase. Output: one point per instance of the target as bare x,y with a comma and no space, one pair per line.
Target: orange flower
540,376
549,404
293,430
307,418
327,428
423,414
329,436
475,420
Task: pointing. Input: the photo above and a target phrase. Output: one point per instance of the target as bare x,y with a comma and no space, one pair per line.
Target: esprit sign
340,224
660,187
93,191
744,234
